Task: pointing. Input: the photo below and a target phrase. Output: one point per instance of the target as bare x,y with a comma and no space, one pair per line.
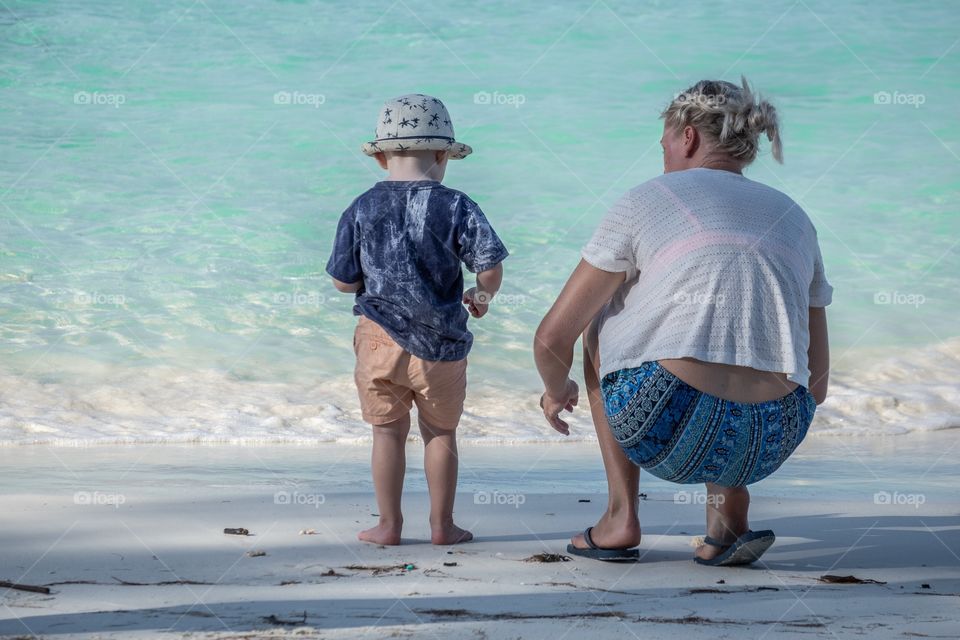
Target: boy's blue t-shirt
406,241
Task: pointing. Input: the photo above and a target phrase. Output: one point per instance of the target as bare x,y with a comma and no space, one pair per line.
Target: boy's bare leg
389,464
440,464
619,527
726,517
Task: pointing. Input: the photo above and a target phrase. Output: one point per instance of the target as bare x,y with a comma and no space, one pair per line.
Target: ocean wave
915,392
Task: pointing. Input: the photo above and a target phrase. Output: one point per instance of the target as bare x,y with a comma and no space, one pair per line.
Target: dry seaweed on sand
547,557
831,579
381,569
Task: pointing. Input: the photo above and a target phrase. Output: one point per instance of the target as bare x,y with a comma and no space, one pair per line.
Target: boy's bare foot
450,534
612,532
383,533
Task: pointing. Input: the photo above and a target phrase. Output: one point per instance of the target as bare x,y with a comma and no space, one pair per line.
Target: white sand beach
130,543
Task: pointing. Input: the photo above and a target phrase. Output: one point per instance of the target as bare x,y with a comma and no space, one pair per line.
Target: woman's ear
381,159
691,140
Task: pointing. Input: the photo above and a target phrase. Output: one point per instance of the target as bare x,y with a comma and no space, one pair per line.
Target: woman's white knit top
718,267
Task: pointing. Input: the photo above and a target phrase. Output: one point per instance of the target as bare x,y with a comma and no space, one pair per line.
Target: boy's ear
440,157
381,159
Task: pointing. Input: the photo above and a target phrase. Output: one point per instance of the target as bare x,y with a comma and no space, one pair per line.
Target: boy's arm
343,287
478,298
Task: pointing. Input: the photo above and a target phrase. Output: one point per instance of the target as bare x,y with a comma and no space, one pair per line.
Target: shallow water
172,175
872,470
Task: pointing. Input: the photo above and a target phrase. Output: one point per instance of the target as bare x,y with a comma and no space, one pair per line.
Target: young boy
399,247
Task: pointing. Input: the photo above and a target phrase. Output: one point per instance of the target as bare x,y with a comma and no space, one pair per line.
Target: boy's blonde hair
730,116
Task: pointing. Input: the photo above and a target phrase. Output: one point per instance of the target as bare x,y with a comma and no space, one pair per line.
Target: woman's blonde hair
731,117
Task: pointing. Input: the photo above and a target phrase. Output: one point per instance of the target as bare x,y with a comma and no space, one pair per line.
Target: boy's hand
553,405
477,302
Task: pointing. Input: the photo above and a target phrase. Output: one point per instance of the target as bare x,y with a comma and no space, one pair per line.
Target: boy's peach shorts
390,381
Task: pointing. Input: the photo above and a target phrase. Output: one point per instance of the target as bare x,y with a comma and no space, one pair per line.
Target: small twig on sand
165,583
239,531
24,587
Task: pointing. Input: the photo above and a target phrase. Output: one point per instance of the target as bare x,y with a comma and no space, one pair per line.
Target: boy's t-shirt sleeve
344,262
480,247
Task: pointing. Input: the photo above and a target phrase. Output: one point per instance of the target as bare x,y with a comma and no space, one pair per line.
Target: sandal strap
588,539
713,542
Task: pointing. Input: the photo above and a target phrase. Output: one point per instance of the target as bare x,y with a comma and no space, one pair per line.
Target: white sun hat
415,122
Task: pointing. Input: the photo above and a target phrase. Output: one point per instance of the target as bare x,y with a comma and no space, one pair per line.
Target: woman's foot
612,532
727,509
449,534
384,533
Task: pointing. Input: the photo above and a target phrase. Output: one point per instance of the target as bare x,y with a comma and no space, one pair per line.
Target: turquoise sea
172,174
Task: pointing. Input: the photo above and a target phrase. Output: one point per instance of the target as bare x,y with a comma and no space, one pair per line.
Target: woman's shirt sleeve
612,247
821,293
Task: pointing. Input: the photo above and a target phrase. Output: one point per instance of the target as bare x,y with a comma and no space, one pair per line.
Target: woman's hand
584,295
553,405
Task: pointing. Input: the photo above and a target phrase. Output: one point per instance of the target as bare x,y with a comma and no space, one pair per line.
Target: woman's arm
818,354
584,295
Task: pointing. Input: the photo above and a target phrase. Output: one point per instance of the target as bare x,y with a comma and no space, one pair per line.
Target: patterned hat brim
457,150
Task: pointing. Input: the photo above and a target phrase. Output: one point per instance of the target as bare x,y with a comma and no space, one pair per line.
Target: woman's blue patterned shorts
680,434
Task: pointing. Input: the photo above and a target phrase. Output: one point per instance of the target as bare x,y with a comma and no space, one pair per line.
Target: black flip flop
745,550
607,555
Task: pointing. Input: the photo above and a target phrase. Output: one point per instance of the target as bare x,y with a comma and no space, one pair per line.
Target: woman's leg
620,526
726,517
